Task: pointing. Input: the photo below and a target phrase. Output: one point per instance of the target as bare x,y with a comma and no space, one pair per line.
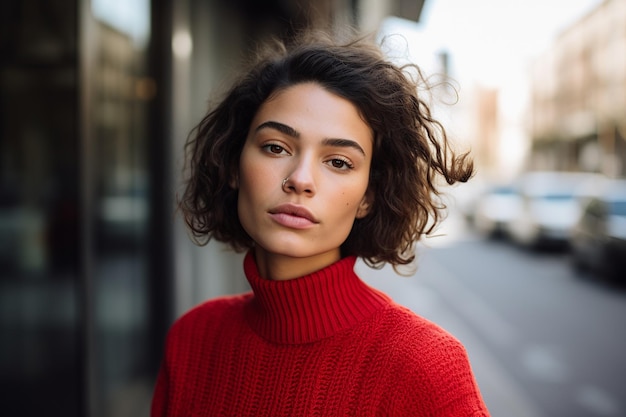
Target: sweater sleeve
454,385
184,357
162,391
435,378
175,342
159,398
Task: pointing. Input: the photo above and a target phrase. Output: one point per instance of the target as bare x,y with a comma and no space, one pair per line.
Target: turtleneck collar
312,307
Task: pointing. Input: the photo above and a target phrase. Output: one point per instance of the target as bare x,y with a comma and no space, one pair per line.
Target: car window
504,190
618,208
557,197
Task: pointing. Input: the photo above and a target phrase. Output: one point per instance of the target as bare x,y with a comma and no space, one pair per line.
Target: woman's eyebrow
343,143
282,128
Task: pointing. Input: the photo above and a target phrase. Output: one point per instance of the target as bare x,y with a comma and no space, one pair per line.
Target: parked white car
495,210
551,205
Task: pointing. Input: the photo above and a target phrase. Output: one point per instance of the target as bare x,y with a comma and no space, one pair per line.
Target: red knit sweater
321,345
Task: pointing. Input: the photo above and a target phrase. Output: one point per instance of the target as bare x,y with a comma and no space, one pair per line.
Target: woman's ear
234,182
365,205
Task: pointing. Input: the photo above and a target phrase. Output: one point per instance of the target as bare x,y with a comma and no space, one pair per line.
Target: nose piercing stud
283,184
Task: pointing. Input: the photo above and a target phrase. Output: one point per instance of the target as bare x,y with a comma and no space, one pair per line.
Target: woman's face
319,143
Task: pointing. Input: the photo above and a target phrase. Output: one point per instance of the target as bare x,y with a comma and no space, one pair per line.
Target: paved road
543,341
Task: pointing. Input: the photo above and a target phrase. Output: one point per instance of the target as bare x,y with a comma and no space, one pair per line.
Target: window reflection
64,350
121,213
39,213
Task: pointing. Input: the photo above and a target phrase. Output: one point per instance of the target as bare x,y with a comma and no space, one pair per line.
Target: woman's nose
301,178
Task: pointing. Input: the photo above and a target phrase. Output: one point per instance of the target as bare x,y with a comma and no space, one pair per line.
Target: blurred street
544,341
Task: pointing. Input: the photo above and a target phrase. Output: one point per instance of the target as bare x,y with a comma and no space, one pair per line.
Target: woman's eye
275,149
340,164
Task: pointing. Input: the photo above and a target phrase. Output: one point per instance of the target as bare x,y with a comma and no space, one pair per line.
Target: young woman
323,152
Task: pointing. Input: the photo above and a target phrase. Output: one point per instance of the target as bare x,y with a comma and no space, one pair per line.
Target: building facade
579,96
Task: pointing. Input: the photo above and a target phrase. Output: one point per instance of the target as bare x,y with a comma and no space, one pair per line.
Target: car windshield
504,190
556,197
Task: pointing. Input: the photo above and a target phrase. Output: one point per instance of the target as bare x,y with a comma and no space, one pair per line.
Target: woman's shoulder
412,326
210,313
426,358
413,337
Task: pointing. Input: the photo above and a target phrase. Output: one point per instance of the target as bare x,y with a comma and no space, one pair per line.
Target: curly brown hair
411,149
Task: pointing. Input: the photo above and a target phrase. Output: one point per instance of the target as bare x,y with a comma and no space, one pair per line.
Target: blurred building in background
578,107
96,100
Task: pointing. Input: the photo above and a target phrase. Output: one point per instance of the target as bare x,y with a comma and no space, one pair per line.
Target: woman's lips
293,216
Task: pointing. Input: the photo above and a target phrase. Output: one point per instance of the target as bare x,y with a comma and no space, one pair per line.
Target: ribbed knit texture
321,345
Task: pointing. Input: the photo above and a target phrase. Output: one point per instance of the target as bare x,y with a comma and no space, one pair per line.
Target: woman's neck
281,267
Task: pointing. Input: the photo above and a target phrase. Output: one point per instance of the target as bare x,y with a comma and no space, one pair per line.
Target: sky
491,44
489,39
129,16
